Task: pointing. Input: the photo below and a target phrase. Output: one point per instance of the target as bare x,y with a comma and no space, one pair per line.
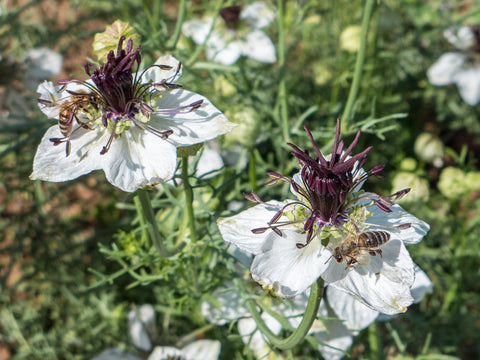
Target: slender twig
357,76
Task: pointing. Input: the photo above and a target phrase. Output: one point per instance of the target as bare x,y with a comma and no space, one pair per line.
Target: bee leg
372,252
379,252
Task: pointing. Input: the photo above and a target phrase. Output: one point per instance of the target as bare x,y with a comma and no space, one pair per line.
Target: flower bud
418,187
452,183
248,129
429,148
350,38
107,41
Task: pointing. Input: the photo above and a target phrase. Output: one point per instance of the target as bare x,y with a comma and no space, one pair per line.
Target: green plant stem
200,48
147,217
375,341
178,26
252,169
188,199
299,334
357,76
282,87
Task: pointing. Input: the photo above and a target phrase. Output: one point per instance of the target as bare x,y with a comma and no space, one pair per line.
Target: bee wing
363,257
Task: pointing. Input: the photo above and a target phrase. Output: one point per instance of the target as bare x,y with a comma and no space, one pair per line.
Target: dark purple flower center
231,16
325,186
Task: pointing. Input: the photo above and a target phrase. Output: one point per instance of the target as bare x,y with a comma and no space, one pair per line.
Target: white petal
165,353
332,333
462,38
52,164
247,329
189,128
139,158
414,234
197,29
45,63
443,71
228,307
259,47
387,289
156,75
202,350
237,229
257,14
223,53
115,354
209,163
422,285
355,315
468,82
286,269
141,326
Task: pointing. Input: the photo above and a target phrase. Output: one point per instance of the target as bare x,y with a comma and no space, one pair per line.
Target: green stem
200,48
357,76
189,199
252,169
375,341
316,292
282,87
147,217
178,26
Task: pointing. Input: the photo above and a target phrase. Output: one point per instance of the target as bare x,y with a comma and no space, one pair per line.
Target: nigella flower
128,124
240,34
322,232
142,329
460,67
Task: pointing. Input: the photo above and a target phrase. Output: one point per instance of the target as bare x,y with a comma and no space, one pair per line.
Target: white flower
286,237
240,36
129,125
198,350
458,67
115,354
142,330
141,325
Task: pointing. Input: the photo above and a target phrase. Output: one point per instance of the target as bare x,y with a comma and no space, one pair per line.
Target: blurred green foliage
75,256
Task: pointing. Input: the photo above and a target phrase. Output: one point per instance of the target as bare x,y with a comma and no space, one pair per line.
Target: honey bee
354,246
79,101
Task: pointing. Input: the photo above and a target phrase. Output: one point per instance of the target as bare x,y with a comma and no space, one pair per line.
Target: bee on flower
240,34
124,120
299,240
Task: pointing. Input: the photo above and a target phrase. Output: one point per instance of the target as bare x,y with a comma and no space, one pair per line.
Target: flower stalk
147,218
178,26
357,77
189,199
282,88
316,293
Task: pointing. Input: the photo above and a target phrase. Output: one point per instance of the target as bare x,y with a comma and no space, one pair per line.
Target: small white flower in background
143,333
318,234
116,354
142,326
42,63
461,67
239,35
198,350
128,124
